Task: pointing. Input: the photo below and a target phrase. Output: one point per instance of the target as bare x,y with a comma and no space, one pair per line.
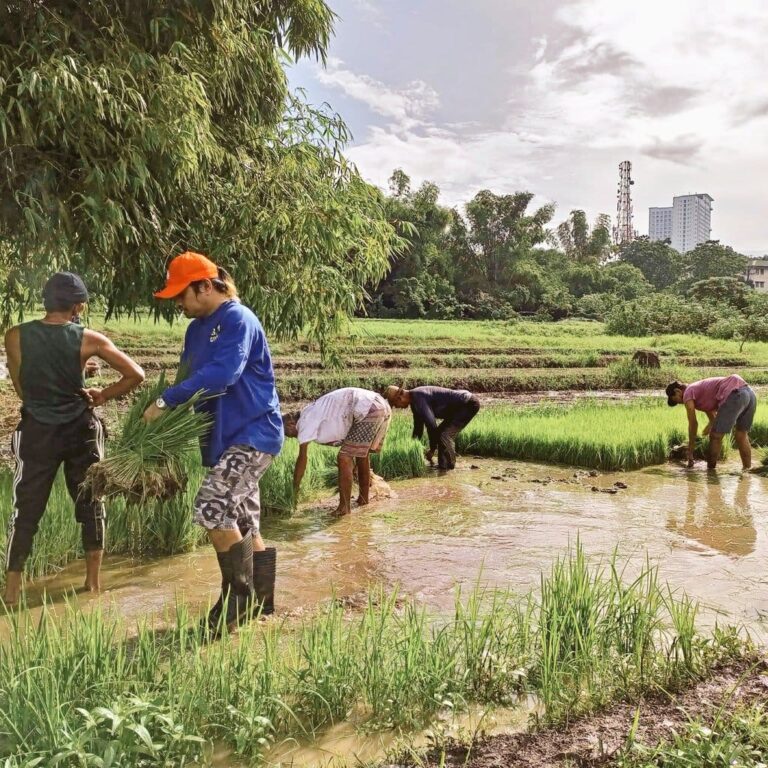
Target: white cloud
462,165
407,106
625,53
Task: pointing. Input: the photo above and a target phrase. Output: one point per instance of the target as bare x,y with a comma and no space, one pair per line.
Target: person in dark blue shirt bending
227,357
456,408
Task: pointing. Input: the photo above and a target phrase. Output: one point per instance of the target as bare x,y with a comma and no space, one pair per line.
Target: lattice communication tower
623,232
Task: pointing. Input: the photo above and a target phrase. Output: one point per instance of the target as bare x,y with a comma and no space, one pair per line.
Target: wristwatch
161,404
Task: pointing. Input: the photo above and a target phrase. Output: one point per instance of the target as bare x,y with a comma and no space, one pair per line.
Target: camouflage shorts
229,496
367,435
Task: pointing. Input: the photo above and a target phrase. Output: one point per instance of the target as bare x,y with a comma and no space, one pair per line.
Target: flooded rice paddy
500,522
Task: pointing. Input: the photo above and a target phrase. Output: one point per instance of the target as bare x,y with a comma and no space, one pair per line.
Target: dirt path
597,740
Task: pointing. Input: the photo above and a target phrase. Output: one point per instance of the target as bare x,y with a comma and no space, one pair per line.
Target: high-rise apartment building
687,223
691,221
660,223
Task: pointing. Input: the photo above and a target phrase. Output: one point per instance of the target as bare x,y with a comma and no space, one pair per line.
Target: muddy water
507,520
345,745
706,533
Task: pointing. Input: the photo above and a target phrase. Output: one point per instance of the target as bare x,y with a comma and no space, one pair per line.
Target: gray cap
65,288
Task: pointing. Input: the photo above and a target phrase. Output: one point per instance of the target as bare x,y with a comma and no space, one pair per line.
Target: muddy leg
93,570
715,445
12,588
346,465
363,479
447,446
745,448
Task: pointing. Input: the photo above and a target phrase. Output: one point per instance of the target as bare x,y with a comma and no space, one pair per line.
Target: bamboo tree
131,131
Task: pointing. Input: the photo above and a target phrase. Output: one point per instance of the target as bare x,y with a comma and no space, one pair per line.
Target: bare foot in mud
361,502
92,589
340,511
13,584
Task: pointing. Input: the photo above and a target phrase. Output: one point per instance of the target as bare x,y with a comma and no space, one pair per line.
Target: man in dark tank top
46,363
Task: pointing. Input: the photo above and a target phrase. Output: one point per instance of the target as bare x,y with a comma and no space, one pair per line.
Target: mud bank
598,740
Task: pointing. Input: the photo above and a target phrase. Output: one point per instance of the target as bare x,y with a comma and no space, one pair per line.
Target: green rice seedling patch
158,526
591,434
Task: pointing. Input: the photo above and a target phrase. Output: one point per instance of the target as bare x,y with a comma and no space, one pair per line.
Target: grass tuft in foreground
737,738
590,637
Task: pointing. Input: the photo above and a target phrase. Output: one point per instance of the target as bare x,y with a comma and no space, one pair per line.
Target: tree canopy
501,233
661,264
711,259
419,281
582,244
132,130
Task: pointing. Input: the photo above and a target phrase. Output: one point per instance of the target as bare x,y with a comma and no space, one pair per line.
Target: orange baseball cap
185,269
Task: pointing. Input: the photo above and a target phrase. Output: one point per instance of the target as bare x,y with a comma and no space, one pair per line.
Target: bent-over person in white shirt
355,419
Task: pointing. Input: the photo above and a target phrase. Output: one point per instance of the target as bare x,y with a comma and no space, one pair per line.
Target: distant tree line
501,257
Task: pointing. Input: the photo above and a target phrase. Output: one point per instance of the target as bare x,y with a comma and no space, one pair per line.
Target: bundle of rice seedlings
146,461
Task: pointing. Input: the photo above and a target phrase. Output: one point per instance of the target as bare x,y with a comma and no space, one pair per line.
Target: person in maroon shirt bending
728,402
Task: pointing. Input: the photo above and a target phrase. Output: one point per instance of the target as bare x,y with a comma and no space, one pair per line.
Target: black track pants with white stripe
40,449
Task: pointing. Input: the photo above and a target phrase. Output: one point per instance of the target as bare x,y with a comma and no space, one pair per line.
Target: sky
549,96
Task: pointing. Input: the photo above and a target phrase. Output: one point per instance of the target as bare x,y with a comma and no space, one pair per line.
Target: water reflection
717,517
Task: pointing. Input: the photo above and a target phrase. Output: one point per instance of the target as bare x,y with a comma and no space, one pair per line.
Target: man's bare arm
693,429
131,373
13,357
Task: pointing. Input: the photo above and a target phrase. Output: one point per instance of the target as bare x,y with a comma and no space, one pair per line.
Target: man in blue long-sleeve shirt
227,357
456,408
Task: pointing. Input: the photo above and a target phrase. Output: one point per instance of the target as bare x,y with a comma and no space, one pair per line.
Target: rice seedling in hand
147,461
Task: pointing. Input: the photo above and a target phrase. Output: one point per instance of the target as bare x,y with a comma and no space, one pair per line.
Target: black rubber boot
211,624
264,572
226,574
240,600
